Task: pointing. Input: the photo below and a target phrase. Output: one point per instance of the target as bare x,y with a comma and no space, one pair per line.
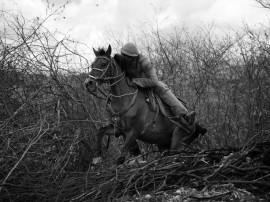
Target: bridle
115,116
103,77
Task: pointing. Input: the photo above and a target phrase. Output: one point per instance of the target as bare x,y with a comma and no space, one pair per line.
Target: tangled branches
243,168
45,120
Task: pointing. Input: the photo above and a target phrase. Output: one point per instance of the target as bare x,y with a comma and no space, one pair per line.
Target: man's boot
190,117
184,123
175,105
179,110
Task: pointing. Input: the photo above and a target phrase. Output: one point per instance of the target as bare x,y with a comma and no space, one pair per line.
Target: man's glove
144,82
130,82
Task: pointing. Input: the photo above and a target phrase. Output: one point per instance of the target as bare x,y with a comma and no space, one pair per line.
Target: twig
33,141
23,105
210,197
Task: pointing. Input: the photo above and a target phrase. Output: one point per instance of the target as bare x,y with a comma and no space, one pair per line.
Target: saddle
158,106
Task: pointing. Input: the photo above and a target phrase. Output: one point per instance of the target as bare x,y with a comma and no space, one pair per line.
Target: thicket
48,121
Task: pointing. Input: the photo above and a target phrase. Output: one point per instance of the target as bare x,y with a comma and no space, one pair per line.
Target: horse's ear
109,51
96,52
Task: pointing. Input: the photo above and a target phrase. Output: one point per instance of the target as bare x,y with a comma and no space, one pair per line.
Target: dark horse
133,118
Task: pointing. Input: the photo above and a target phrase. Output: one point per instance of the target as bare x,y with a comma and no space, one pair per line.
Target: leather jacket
148,76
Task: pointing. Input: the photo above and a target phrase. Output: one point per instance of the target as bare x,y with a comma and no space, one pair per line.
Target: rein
110,64
121,76
123,111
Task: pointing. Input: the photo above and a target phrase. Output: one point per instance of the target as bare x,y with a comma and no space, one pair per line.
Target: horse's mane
101,51
121,61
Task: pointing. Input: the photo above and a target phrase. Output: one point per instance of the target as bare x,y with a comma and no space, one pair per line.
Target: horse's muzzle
90,85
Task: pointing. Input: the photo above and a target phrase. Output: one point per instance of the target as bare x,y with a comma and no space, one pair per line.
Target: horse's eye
103,65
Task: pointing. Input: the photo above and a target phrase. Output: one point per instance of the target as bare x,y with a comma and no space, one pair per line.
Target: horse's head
100,69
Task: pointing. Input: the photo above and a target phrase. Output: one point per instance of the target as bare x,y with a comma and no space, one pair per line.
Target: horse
130,112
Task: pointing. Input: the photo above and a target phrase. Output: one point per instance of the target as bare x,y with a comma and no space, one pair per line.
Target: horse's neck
120,88
121,92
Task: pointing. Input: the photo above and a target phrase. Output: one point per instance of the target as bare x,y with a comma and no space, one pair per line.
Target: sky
89,20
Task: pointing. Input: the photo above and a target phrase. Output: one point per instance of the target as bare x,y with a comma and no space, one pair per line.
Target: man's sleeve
150,76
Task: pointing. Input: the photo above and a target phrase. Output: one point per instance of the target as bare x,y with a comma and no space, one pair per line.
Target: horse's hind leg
135,151
163,150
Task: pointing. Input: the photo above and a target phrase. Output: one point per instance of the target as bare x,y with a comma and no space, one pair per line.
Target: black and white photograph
134,100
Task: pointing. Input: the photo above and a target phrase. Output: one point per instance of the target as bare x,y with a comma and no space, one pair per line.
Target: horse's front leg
108,130
129,145
135,150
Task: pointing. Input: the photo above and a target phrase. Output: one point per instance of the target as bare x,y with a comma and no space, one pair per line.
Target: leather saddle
156,104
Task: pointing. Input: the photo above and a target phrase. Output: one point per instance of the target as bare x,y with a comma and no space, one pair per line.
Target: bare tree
264,3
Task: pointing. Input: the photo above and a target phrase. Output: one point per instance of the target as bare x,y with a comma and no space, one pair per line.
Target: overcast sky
87,20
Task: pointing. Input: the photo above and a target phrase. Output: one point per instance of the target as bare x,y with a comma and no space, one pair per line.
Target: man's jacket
148,76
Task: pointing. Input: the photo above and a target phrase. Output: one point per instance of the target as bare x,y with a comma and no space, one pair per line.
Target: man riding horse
143,74
132,115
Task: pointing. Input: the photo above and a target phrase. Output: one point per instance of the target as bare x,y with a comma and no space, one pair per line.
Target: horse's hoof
120,160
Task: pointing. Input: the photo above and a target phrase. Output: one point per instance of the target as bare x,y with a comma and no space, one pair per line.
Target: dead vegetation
48,121
246,168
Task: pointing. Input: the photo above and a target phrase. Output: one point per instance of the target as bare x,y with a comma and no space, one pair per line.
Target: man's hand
130,82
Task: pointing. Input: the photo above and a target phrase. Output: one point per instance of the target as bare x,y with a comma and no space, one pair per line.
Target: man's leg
177,108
